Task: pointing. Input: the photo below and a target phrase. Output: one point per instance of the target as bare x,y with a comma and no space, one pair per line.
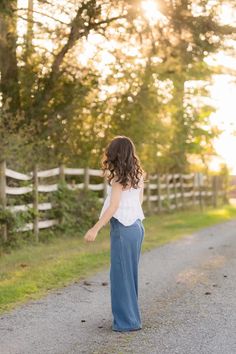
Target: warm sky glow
151,11
224,94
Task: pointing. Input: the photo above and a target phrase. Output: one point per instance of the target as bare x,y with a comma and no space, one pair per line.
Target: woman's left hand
90,235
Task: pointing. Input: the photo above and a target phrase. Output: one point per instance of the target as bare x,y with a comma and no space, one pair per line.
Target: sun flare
151,12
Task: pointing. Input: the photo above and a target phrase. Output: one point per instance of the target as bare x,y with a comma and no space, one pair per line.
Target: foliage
13,221
76,209
64,107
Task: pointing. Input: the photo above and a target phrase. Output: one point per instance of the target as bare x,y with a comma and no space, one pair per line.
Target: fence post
199,189
212,190
215,191
3,195
194,189
159,193
148,194
222,189
182,190
86,178
225,189
175,191
104,187
35,203
167,191
62,173
204,190
207,189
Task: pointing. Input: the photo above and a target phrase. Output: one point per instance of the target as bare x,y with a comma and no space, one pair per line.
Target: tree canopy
76,73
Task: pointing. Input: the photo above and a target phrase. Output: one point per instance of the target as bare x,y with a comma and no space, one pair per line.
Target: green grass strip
33,270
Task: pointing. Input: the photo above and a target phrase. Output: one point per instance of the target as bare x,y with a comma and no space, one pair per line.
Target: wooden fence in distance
161,192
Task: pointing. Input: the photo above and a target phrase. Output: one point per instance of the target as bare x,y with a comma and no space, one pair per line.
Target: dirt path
187,295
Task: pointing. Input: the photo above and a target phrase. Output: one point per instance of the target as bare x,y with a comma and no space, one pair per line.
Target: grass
34,270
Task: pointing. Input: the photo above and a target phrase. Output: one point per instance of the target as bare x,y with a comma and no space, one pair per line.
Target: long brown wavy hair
120,160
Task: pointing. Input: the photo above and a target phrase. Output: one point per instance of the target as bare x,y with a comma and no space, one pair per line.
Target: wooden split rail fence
161,192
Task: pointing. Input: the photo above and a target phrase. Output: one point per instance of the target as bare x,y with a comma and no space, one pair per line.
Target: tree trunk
181,127
9,86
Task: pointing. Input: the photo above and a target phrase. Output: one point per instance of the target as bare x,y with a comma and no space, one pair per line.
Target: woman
123,208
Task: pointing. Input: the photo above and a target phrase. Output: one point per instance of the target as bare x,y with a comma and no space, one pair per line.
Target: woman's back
130,208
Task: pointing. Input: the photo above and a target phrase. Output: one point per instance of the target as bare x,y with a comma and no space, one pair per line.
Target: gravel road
187,296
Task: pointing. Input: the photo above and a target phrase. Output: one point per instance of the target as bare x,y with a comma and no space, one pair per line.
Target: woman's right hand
90,235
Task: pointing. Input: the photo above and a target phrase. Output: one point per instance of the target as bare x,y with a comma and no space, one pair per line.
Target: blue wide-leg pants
126,242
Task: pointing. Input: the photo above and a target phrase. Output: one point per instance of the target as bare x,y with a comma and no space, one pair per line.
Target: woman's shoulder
112,182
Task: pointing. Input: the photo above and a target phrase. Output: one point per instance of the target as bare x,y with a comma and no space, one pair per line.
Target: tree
9,86
67,111
189,40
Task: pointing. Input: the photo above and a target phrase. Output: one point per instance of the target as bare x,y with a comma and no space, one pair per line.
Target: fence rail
161,192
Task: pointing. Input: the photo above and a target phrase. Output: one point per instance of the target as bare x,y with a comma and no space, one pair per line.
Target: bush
13,221
77,210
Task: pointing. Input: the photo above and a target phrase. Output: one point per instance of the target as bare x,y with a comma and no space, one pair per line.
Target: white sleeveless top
130,208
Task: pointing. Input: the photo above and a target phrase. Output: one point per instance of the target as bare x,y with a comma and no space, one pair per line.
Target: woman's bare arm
116,190
113,206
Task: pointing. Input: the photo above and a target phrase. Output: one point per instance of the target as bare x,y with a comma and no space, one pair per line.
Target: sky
223,94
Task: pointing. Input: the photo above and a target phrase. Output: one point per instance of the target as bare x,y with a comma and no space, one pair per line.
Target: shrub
13,221
77,209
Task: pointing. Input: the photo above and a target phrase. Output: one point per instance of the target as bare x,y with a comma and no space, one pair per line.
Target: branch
79,28
28,20
43,14
75,35
42,27
108,21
